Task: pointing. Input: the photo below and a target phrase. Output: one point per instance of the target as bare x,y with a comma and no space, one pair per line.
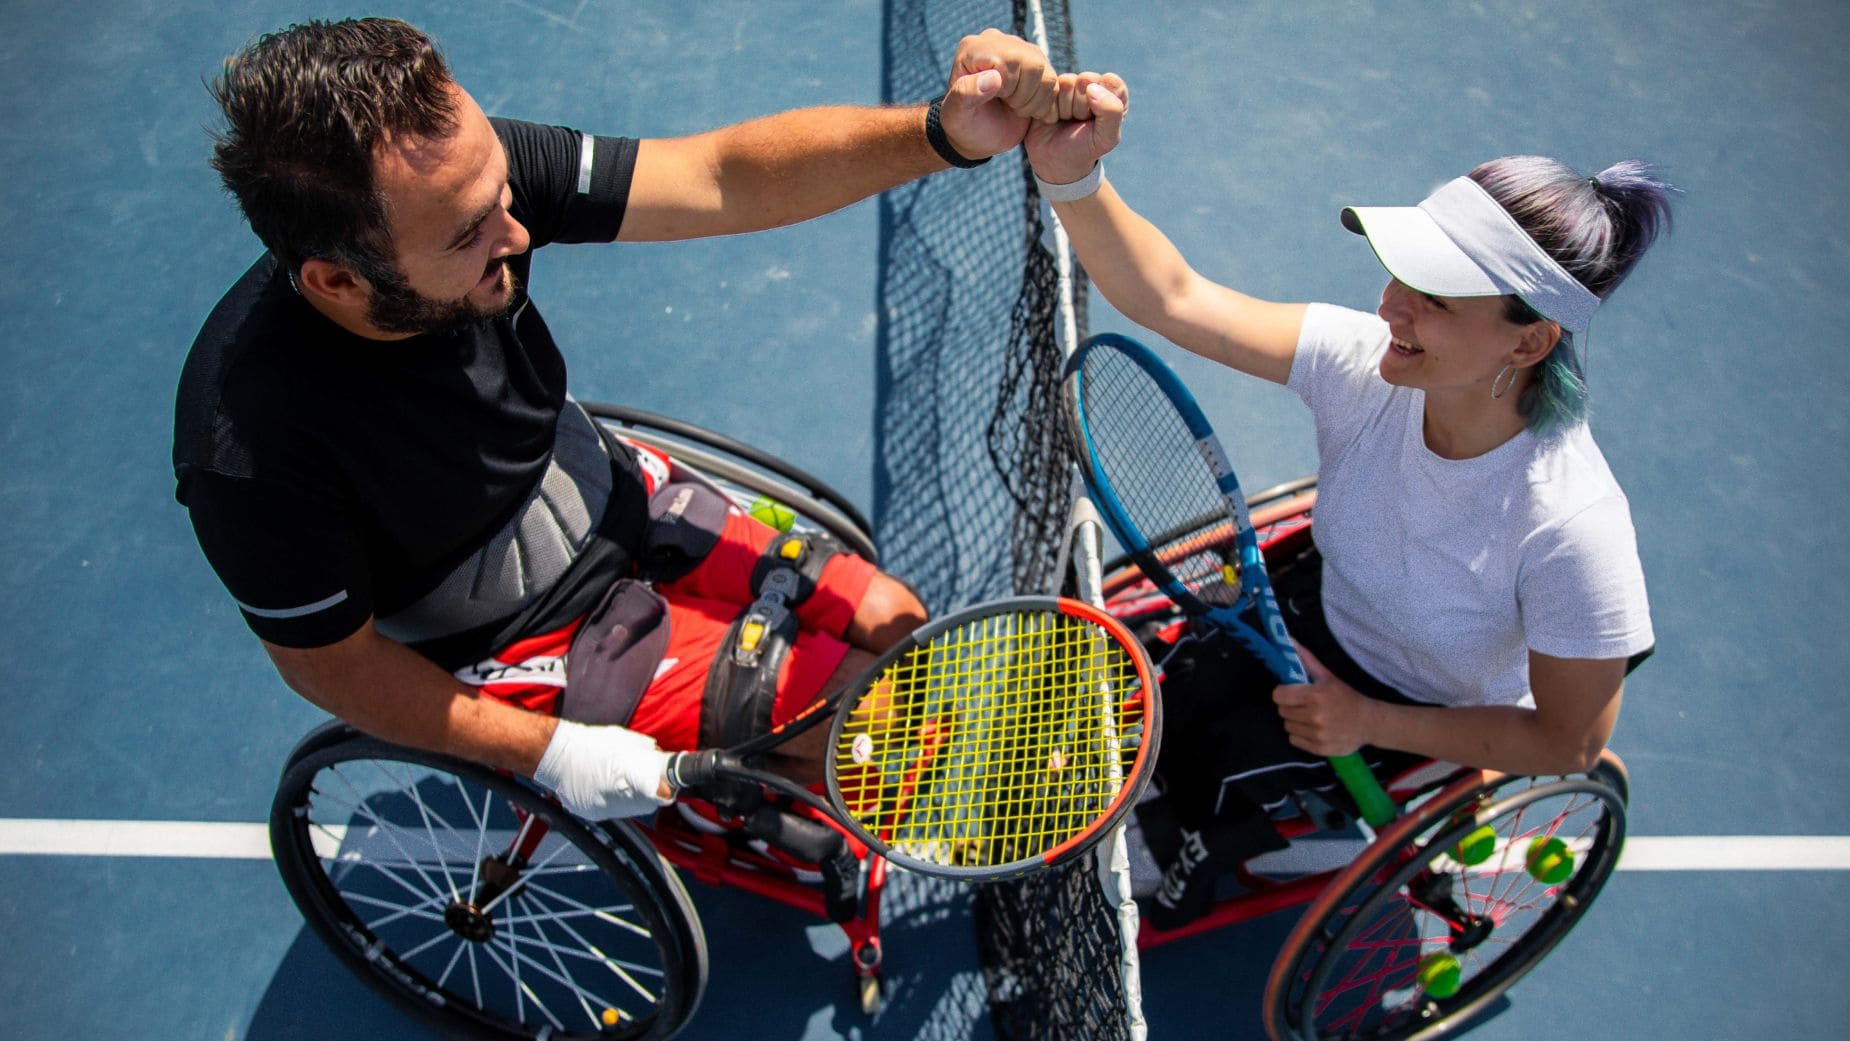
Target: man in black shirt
373,436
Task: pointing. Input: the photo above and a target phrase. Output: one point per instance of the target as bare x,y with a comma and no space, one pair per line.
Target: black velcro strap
804,554
741,685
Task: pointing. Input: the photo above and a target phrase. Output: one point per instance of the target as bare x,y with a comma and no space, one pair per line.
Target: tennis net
973,478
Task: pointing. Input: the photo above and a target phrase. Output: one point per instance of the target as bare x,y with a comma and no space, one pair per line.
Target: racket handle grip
1377,809
694,771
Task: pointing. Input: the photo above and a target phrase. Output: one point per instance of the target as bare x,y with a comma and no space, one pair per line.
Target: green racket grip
1377,809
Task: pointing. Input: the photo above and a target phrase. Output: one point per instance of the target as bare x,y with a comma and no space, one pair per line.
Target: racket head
1163,483
997,741
1156,471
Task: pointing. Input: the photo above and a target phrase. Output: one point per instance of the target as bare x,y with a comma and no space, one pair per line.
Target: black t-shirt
331,478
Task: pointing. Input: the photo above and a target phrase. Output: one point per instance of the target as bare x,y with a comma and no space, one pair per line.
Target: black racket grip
695,772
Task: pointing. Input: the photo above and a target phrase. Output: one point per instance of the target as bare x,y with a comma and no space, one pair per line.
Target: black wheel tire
1349,969
595,922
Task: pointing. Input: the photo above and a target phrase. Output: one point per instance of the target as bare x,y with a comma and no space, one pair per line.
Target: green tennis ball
1549,860
772,512
1439,974
1476,847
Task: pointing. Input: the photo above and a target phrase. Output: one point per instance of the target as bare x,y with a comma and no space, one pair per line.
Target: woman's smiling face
1445,342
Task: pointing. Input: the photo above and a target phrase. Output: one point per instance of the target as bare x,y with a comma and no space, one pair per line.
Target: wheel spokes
427,865
1431,919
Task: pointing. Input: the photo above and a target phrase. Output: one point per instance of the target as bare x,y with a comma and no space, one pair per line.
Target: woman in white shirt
1480,577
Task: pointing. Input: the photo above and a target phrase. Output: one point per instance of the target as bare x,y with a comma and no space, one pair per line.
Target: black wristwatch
934,132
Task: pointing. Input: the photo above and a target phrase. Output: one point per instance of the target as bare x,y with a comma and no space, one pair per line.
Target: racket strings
995,743
1148,456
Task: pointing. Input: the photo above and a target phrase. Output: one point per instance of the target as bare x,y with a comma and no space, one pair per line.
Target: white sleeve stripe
294,612
586,151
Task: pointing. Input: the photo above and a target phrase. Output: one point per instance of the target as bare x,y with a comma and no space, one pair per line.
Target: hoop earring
1507,370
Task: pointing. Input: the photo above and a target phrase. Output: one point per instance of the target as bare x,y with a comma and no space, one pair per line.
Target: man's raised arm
786,168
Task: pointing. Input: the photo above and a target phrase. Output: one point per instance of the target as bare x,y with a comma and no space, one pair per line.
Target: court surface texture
133,692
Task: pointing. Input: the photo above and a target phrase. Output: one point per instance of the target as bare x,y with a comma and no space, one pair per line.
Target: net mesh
972,480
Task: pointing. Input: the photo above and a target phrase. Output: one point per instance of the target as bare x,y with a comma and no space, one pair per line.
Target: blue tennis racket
1161,480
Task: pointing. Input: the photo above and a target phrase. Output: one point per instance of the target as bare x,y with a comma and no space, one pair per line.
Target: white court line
67,838
1736,853
230,841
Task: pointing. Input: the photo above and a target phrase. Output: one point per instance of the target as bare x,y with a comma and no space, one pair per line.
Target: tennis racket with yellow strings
992,743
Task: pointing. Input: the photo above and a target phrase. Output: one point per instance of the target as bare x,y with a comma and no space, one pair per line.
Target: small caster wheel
869,986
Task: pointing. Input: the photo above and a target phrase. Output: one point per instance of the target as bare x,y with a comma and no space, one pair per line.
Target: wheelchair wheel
478,905
1450,905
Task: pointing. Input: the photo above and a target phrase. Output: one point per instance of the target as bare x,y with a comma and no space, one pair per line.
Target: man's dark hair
305,110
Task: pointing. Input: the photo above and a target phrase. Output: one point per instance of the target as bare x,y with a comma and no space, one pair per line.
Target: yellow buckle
750,634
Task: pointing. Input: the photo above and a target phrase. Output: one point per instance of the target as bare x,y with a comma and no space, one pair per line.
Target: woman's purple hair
1597,228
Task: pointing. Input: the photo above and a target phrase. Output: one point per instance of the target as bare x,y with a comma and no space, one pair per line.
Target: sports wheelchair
478,904
1411,932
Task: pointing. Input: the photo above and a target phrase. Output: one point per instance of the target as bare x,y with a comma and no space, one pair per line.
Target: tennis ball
1549,860
1439,974
610,1017
1476,847
772,512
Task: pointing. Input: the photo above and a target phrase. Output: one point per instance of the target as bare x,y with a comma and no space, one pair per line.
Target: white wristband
600,772
1073,190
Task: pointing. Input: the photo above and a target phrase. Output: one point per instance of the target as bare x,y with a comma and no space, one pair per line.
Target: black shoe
1187,886
1194,859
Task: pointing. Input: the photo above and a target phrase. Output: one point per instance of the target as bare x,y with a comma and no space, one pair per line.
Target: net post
1086,536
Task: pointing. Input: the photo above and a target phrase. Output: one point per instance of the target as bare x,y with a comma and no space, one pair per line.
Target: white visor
1459,242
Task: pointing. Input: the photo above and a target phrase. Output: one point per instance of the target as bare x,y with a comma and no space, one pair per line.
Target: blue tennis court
145,729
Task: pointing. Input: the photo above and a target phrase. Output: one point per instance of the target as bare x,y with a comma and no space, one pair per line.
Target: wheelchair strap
792,565
742,683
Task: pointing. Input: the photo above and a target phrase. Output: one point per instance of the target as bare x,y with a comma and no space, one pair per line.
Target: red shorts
702,606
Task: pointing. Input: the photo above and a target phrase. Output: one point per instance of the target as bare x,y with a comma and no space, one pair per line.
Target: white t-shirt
1440,574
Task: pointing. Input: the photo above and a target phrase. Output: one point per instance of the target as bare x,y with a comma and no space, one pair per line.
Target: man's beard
395,307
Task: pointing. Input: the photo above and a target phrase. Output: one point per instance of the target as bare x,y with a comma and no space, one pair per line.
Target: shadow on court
773,972
776,973
311,993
